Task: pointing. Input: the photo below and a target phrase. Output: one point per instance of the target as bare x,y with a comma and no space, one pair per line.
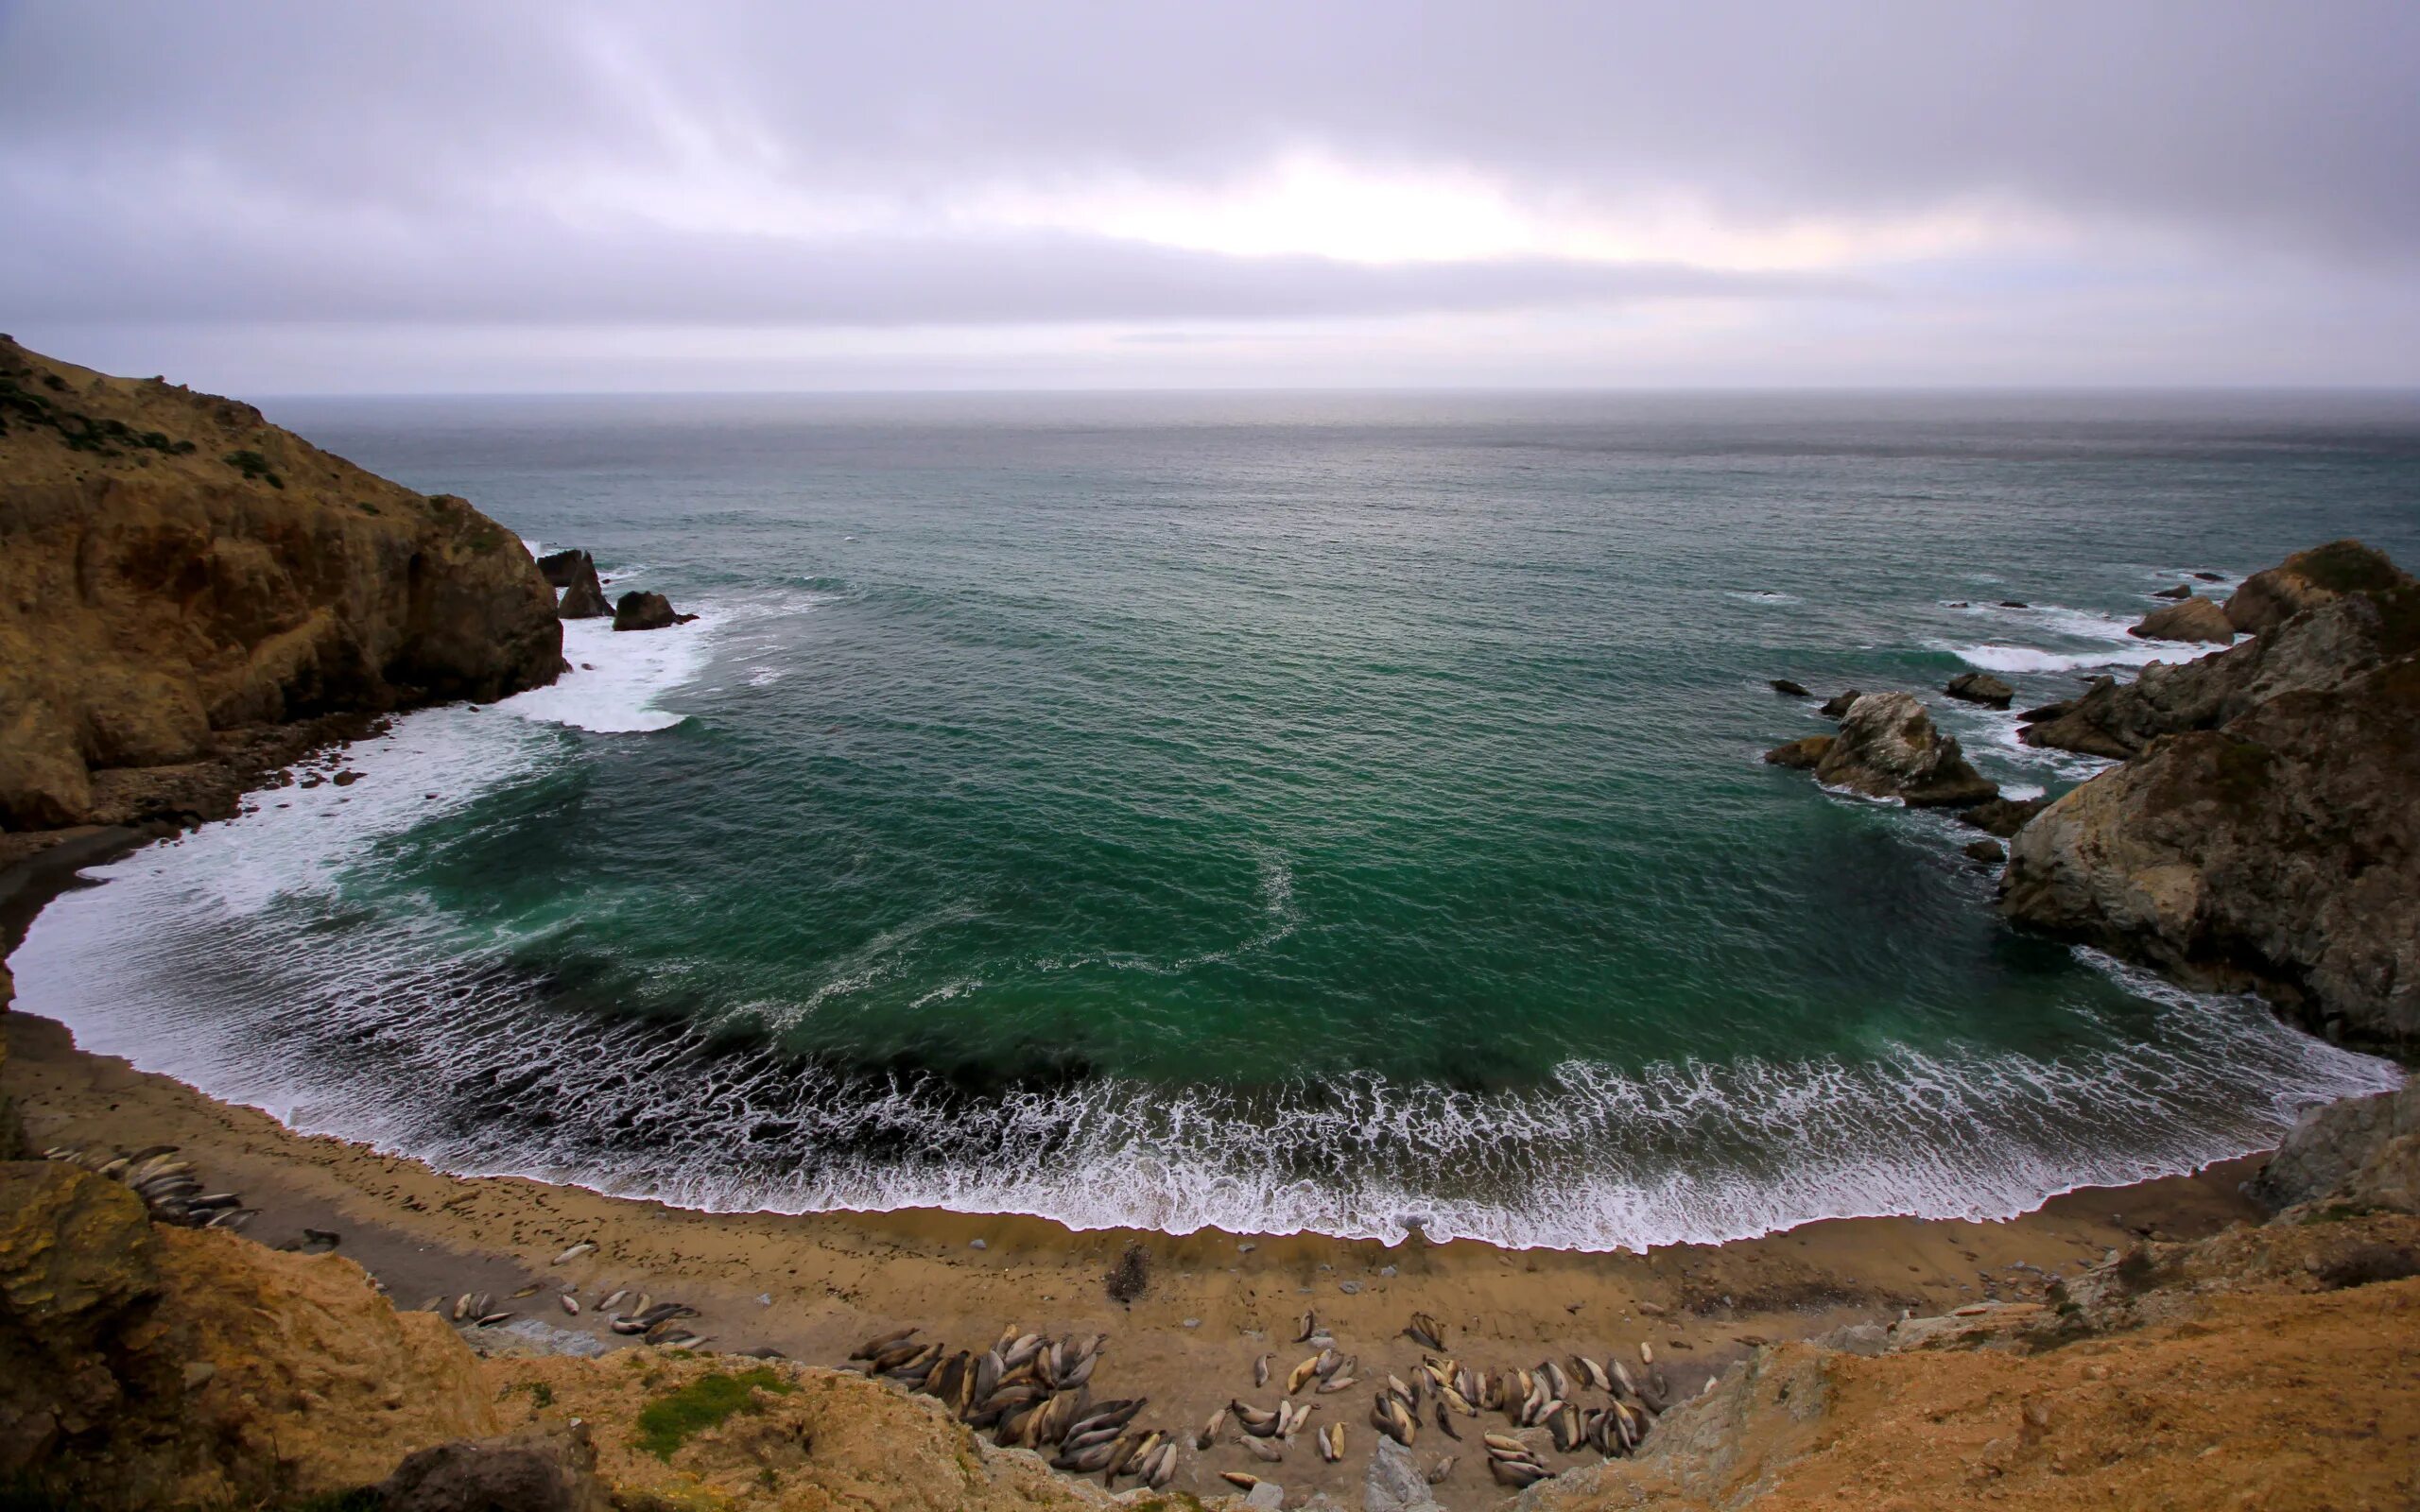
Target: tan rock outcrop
2194,619
173,567
2308,579
2338,639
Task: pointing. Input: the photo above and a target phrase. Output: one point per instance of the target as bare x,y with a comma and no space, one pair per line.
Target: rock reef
176,571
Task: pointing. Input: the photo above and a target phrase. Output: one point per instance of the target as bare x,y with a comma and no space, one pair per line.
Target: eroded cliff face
173,570
148,1366
2266,833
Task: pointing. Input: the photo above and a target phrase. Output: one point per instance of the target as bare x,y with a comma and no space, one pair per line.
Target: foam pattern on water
417,1035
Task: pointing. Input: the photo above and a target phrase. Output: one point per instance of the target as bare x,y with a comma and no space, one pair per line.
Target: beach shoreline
810,1286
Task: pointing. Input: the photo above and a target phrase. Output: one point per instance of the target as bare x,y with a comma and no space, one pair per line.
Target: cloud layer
1702,193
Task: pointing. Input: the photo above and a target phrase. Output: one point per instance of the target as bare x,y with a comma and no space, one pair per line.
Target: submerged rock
1980,687
2190,619
2308,579
647,611
1887,747
2003,817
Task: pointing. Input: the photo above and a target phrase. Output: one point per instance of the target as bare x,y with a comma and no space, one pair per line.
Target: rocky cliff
2266,833
176,573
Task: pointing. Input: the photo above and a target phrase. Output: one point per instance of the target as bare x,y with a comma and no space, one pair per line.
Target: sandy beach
812,1286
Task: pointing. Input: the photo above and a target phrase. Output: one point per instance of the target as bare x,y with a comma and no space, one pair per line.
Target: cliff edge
175,571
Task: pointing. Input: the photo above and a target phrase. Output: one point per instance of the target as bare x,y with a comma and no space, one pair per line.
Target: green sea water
1277,812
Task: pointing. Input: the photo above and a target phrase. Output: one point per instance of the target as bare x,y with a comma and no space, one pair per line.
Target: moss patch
670,1421
2346,567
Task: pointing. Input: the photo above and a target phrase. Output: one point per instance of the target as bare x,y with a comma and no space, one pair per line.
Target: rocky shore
2261,832
200,1308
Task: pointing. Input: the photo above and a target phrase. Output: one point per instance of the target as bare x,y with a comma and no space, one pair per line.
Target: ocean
1320,812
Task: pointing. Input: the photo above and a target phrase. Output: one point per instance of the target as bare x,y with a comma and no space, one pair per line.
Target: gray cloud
306,163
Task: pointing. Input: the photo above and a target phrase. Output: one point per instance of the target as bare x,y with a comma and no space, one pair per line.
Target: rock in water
1802,753
2194,619
647,611
1837,704
563,568
535,1470
182,567
1990,853
2003,817
1395,1483
2281,853
585,599
574,571
1887,747
1789,689
2180,591
2308,579
1980,687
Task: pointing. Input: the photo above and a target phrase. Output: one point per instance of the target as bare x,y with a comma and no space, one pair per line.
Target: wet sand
812,1286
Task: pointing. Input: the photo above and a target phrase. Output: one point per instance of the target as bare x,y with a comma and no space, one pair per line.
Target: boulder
1837,704
1395,1482
1802,755
1990,853
2369,1145
647,611
2003,817
2190,619
2178,591
2281,853
1789,689
1980,687
2308,579
535,1470
1887,747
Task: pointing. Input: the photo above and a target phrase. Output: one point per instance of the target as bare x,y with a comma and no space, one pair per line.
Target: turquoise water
1270,811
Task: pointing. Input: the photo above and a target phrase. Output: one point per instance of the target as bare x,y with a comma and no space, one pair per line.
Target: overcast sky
516,195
